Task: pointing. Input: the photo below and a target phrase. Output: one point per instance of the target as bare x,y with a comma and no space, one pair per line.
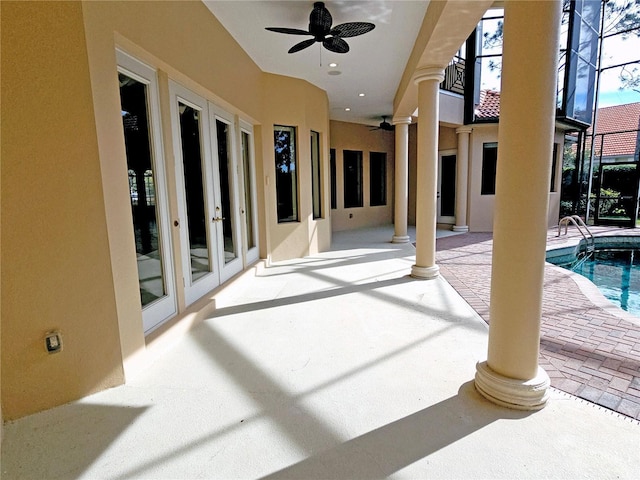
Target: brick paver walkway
586,350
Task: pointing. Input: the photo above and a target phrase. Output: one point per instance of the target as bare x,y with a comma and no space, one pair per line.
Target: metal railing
454,76
580,225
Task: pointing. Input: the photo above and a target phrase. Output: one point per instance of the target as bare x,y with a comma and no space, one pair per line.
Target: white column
401,180
511,375
462,178
428,80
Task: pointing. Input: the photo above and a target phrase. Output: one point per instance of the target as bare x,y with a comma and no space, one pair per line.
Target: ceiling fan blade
352,29
302,45
290,31
335,44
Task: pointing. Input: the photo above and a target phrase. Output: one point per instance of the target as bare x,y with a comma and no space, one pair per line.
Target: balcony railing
454,76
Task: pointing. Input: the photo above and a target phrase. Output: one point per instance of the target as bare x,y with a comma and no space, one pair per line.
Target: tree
621,17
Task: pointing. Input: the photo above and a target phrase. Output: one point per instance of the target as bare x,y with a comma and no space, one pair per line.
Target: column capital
423,74
464,129
401,120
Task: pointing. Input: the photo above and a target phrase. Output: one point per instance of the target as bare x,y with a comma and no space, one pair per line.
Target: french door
148,197
207,189
226,187
446,187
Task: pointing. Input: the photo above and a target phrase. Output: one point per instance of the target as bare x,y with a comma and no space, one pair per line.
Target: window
247,165
554,164
286,176
489,161
316,186
352,179
484,51
334,191
377,179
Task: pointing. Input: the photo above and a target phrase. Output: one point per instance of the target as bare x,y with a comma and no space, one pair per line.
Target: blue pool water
616,273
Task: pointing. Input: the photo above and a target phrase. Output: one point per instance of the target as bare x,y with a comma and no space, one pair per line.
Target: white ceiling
373,66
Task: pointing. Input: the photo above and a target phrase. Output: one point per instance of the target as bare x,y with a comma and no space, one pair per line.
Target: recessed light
334,72
361,94
333,65
347,109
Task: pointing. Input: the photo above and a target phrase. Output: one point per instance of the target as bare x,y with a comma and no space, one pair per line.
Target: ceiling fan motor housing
320,21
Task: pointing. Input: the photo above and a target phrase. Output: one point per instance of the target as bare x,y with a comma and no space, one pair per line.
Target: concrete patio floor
338,365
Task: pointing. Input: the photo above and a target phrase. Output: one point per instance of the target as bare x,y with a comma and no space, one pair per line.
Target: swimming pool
614,267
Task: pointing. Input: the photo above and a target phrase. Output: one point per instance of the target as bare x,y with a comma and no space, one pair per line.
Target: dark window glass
194,190
377,179
226,180
352,179
286,173
554,164
248,188
334,191
489,161
137,139
580,58
448,186
316,185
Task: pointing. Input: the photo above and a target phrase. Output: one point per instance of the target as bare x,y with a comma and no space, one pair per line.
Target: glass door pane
447,189
151,276
191,141
248,189
226,205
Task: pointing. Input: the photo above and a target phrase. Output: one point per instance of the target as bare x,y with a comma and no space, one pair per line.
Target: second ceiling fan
320,28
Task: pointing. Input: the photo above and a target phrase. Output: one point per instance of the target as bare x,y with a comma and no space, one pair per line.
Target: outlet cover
53,342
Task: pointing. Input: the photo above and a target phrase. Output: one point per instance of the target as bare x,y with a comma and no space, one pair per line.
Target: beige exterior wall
351,136
481,206
299,104
451,108
68,256
447,141
447,138
56,260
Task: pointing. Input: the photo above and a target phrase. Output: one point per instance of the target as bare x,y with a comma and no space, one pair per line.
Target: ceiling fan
384,125
320,28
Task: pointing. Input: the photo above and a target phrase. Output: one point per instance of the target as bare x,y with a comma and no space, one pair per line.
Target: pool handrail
579,223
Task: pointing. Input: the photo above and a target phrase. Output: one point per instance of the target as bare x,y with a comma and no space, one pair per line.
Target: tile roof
618,118
489,105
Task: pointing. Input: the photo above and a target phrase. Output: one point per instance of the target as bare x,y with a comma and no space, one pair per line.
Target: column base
400,239
425,273
510,392
460,228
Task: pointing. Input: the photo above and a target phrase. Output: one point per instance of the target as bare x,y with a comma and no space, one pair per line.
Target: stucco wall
56,268
481,206
68,255
480,213
295,103
204,59
352,136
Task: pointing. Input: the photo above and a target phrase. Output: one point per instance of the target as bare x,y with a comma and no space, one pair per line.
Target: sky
616,50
